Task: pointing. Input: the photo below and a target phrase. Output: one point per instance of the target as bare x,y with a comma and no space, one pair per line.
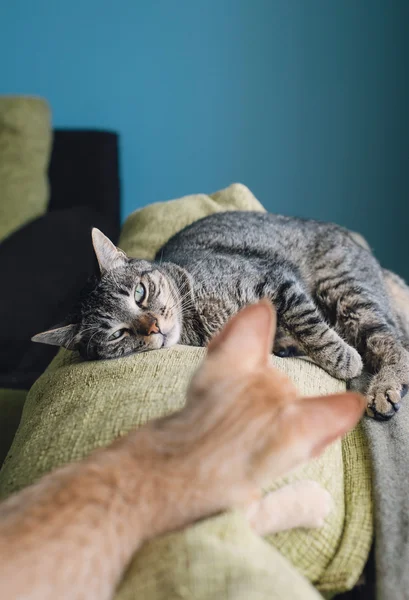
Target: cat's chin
172,337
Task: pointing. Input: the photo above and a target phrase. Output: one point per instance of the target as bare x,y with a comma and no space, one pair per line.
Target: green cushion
11,407
25,142
77,406
147,229
219,559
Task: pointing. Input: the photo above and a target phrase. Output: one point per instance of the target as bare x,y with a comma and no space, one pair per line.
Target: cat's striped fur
328,289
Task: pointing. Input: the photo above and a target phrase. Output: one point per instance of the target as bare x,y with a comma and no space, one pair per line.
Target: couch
76,406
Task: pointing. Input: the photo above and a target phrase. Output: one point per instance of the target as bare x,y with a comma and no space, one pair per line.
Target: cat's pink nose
147,325
154,327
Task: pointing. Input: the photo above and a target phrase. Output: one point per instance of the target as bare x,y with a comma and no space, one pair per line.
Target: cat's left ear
65,336
108,255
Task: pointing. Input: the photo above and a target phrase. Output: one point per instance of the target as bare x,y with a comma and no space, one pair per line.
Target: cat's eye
140,293
116,335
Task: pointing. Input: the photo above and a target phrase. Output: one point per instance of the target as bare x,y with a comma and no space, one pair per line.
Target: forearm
76,529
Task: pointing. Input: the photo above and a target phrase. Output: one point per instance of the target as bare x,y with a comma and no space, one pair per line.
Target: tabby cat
328,289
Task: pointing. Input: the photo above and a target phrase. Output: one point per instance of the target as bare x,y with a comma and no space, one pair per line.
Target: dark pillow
43,268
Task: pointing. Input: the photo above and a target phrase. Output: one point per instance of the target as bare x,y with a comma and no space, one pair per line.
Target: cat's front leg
303,504
386,361
385,390
306,325
391,381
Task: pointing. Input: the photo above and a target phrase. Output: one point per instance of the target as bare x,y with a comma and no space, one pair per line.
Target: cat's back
247,233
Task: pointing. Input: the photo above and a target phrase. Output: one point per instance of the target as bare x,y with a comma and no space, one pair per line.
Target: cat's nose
153,327
148,325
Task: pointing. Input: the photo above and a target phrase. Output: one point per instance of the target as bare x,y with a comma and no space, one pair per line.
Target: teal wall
305,101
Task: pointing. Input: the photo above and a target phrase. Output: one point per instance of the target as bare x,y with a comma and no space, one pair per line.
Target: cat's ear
108,255
59,336
247,339
306,427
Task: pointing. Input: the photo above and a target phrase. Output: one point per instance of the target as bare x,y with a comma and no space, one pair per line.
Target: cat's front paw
354,366
384,396
345,365
387,388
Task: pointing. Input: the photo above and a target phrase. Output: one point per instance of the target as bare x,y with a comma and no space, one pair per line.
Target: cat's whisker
95,326
193,271
186,300
180,302
188,306
177,301
72,338
90,339
171,293
183,294
70,341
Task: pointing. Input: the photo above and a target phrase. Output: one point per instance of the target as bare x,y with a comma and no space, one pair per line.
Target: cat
72,534
328,289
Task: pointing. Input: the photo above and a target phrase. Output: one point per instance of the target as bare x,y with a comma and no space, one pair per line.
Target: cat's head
134,307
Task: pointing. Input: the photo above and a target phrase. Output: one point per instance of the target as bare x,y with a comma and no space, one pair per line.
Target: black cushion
43,266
